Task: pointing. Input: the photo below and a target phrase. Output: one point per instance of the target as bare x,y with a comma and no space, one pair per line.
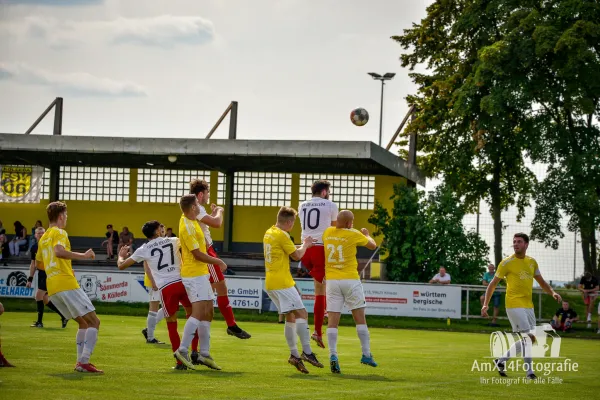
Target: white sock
204,336
80,338
188,334
332,335
290,337
151,324
365,339
91,337
514,351
160,315
303,334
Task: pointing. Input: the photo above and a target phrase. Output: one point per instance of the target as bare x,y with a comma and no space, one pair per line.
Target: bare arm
547,288
213,221
61,252
488,295
150,277
205,258
371,245
446,282
299,253
124,263
31,273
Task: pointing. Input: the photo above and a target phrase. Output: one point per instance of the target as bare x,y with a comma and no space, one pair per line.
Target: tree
426,232
469,120
551,53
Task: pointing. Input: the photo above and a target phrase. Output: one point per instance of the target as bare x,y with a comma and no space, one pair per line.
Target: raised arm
124,263
371,245
65,254
215,220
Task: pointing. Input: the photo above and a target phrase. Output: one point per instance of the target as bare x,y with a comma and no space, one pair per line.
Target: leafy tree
426,232
470,120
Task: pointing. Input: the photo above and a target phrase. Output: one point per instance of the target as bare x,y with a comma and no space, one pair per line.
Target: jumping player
519,271
278,248
195,277
155,315
344,286
316,215
161,255
54,256
200,189
41,296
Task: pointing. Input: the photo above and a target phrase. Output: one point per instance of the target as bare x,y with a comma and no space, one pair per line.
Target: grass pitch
412,364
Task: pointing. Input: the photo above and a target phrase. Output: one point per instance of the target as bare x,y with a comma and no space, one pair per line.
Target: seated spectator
111,240
170,233
487,278
32,239
19,240
125,239
442,277
564,318
4,253
2,230
588,285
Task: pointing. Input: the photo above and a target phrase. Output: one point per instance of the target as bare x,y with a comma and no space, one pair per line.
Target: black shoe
532,377
238,332
37,324
311,359
145,333
64,322
500,366
154,341
194,358
180,367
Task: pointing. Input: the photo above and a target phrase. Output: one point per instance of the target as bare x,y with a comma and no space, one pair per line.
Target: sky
152,68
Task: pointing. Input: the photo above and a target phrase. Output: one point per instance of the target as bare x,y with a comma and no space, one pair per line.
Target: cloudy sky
164,69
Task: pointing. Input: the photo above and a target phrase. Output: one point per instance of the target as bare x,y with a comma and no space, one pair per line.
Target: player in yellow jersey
519,271
195,277
343,284
278,248
54,256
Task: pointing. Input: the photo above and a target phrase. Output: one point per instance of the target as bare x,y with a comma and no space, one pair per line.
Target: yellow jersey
60,276
519,274
192,238
277,247
340,252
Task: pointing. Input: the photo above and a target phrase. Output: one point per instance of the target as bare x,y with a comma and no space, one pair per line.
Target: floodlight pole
386,77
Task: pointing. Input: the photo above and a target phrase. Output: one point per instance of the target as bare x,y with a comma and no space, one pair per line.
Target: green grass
413,364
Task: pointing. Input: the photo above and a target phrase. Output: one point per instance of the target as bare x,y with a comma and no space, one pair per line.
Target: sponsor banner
432,301
20,184
244,293
13,283
307,291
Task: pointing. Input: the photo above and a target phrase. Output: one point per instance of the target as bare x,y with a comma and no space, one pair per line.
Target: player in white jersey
161,254
200,189
316,215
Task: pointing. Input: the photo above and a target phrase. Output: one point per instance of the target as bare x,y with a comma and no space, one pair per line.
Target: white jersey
163,258
204,227
316,215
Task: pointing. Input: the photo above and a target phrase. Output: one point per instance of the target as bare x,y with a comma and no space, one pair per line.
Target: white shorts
154,295
72,303
286,300
521,319
348,292
198,288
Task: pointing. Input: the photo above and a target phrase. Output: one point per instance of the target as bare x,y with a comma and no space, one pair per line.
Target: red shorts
314,261
589,298
171,296
215,272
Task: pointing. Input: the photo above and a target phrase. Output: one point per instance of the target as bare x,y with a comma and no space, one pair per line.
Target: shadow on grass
211,373
306,377
364,377
74,376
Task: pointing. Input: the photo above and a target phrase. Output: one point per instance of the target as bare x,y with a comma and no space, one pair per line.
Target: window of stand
353,192
166,185
262,189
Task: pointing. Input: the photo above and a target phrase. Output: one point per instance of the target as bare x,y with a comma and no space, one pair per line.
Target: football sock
303,334
91,337
365,340
226,310
189,330
160,315
40,310
173,335
151,324
80,340
290,337
332,336
319,314
204,333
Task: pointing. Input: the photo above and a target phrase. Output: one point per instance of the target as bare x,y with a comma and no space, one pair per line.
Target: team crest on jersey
16,181
524,275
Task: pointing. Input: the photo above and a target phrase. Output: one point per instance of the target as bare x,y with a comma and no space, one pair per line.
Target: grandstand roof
209,154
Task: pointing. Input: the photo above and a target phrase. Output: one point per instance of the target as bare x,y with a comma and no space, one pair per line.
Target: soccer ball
359,116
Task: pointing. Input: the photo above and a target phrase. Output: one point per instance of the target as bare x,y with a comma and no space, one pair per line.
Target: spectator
588,285
125,239
32,239
487,278
170,233
442,277
111,239
2,230
19,240
4,253
564,317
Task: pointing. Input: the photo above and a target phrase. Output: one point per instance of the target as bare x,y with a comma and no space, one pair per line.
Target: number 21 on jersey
332,250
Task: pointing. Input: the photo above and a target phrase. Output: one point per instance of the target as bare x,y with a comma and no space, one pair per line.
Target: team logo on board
16,181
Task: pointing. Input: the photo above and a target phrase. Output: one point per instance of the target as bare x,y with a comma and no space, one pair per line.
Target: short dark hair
54,210
587,275
320,185
108,226
187,201
149,228
198,186
522,236
170,229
